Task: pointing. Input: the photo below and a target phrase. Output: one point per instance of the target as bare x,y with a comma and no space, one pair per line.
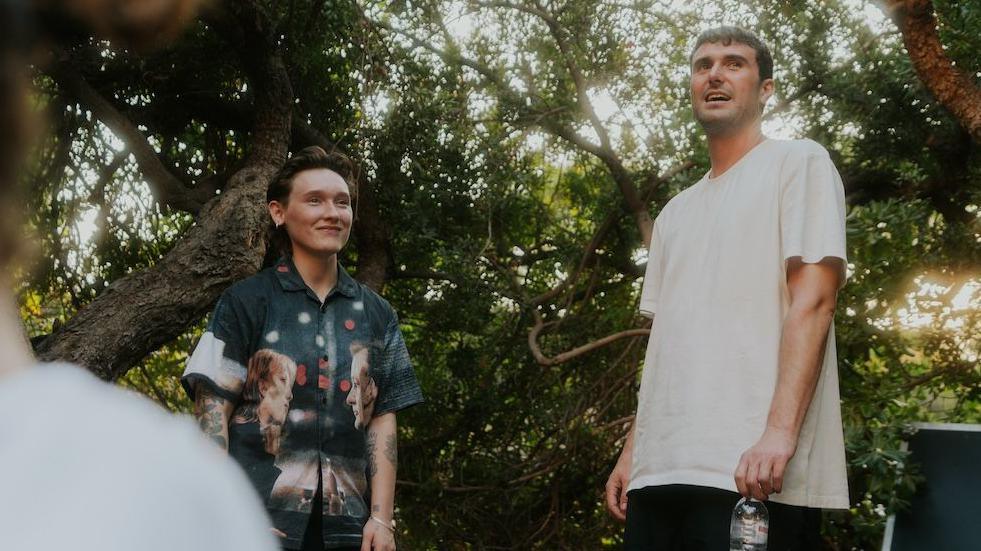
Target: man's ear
766,91
277,212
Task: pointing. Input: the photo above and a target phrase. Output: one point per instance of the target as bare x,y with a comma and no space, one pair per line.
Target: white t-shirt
716,286
88,467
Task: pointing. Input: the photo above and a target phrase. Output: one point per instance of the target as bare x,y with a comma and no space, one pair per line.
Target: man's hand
376,537
761,468
616,488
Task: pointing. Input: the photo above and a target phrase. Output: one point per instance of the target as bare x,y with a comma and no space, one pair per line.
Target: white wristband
391,526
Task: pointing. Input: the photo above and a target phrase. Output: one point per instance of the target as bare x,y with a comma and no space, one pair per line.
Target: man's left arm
382,448
813,290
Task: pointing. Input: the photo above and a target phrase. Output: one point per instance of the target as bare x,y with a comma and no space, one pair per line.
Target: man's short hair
727,35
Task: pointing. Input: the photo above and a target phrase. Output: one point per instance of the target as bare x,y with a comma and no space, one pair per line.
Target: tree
953,88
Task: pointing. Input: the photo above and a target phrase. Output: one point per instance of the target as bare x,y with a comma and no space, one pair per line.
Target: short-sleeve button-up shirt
306,378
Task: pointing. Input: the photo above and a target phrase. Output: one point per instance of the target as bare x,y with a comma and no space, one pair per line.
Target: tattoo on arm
208,409
370,446
392,450
376,508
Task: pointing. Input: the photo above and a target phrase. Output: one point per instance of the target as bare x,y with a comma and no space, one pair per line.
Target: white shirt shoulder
88,466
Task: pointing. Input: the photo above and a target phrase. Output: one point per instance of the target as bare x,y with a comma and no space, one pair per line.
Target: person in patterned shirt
302,370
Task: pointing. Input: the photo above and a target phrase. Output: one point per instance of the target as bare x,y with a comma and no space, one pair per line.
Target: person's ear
278,213
767,88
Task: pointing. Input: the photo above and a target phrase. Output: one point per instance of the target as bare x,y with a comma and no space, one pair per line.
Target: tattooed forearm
370,441
212,415
392,450
382,458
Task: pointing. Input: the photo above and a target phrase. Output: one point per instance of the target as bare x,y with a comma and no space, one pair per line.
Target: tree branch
544,360
167,188
589,252
604,151
142,311
249,30
485,71
558,33
952,88
621,176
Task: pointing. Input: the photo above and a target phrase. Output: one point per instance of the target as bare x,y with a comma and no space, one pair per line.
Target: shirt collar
345,283
290,280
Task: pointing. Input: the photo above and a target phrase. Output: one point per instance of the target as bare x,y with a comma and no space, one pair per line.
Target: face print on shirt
363,391
267,393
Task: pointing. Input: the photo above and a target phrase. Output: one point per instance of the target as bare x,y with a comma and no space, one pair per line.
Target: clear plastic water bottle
749,527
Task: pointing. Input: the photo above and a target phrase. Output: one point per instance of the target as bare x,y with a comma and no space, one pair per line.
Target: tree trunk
950,86
141,312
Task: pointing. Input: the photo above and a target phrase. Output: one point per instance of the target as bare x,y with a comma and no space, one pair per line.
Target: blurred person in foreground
84,465
740,385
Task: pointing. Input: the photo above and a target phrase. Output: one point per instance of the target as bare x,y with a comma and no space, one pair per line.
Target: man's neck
318,272
17,353
725,150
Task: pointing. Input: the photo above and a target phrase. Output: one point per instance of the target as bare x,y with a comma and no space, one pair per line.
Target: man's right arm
616,485
213,413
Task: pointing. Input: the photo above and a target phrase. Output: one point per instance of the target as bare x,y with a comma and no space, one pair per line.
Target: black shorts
680,517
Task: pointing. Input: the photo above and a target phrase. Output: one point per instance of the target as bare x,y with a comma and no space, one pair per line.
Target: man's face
726,92
318,213
363,391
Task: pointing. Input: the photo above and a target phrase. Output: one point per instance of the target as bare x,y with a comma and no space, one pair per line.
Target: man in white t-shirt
740,387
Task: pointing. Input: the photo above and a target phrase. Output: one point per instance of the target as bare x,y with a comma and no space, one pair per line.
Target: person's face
361,397
276,395
726,92
318,213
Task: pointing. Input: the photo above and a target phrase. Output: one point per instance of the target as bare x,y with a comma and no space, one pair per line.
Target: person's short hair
309,158
727,35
